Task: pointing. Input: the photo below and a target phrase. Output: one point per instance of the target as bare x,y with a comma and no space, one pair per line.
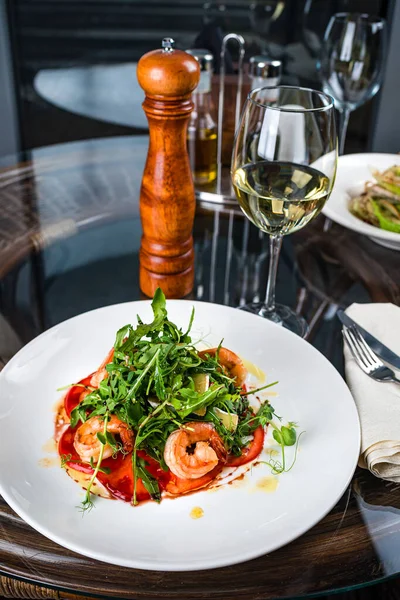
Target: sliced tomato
251,452
177,486
66,448
154,468
119,481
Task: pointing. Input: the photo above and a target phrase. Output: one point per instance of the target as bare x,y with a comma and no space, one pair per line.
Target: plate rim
193,566
350,221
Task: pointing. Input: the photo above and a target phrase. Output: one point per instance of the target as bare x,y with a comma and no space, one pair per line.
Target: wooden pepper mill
167,198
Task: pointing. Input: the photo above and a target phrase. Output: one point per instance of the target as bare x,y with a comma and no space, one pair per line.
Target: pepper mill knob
168,44
167,197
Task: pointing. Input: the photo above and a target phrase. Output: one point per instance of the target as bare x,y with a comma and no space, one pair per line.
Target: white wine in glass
283,169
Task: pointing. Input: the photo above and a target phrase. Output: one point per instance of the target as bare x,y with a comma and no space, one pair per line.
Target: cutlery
366,358
380,349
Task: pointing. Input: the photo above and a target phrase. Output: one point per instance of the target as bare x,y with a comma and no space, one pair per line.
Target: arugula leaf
149,482
134,413
111,441
121,334
102,438
185,335
74,419
139,380
78,414
159,381
192,401
159,304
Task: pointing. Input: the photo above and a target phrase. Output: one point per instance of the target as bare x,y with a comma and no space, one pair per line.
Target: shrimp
231,362
194,450
101,372
88,446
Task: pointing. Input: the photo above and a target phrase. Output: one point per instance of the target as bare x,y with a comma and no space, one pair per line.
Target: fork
366,358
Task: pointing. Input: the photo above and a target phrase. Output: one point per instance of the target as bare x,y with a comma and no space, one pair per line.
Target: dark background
54,34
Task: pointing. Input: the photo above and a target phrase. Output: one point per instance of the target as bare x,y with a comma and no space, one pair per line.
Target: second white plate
353,171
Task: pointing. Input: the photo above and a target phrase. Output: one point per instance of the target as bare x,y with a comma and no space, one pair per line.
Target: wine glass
350,63
283,169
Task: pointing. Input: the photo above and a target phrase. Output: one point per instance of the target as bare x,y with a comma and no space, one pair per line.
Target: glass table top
69,241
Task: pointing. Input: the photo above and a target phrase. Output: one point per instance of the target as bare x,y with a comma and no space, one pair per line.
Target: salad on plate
161,418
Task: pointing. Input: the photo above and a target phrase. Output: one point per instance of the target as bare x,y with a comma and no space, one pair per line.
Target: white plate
239,523
354,170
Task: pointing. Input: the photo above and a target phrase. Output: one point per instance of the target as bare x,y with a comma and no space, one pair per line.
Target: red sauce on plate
119,482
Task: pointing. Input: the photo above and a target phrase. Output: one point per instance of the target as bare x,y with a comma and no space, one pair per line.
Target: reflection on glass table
109,93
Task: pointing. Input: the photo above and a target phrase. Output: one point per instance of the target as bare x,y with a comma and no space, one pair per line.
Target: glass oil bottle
202,129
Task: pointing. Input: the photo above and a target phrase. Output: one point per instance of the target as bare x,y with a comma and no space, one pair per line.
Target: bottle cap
205,60
203,57
264,67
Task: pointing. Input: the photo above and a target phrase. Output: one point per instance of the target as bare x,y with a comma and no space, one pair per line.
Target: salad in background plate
379,204
359,181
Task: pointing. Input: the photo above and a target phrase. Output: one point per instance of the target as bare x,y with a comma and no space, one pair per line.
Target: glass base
281,315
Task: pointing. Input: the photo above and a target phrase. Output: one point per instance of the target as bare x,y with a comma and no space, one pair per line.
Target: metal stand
220,191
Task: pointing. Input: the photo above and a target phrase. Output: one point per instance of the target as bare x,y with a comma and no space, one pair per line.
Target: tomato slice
154,468
119,482
66,448
251,452
177,486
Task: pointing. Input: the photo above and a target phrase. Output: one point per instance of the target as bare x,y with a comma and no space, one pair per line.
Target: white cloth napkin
378,404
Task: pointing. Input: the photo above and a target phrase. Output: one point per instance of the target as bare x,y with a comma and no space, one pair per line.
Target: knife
380,349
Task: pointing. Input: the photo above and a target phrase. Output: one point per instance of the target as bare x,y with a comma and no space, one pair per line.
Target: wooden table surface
57,208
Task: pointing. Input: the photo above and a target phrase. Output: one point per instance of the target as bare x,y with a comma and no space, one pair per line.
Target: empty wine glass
351,61
283,169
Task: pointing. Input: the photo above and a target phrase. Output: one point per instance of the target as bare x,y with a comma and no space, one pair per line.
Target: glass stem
275,244
344,116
